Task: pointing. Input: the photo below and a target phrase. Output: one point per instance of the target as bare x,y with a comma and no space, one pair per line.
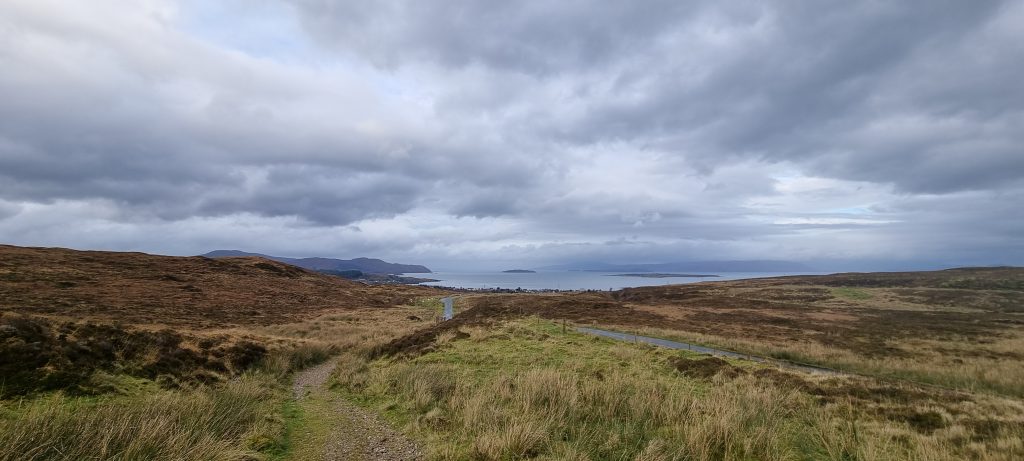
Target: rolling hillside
139,288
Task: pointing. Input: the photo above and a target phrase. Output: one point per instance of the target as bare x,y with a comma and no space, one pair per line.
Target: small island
655,275
519,271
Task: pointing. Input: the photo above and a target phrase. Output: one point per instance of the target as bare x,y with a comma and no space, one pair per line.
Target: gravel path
362,435
313,378
358,434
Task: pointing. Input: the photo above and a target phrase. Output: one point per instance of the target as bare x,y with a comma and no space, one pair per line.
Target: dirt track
356,433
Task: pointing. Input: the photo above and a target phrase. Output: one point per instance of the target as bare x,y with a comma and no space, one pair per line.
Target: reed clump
232,421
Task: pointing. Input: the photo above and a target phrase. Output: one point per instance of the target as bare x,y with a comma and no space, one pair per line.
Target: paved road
703,350
449,310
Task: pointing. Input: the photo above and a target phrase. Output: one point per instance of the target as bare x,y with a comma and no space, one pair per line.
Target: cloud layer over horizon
530,132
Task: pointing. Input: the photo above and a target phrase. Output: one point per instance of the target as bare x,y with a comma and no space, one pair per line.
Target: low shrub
40,355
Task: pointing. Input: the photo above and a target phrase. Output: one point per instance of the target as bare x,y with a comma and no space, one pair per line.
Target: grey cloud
523,130
534,37
176,133
782,81
803,90
319,195
8,209
483,204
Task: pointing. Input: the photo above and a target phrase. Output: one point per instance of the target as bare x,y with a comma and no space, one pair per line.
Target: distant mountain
689,266
366,265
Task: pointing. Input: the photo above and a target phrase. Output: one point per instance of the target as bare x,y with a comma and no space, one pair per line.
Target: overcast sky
482,134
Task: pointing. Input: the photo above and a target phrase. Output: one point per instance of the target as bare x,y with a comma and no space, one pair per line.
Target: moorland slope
144,289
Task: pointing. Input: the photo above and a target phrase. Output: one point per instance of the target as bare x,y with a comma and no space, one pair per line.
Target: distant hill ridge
192,292
366,265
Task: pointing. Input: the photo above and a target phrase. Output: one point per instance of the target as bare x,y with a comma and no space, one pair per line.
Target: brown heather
132,356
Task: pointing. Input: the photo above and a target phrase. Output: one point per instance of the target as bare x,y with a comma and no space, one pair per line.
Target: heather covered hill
194,291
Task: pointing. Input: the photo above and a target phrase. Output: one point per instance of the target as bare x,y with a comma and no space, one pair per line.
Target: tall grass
571,413
992,374
621,416
234,421
360,330
525,391
283,362
242,418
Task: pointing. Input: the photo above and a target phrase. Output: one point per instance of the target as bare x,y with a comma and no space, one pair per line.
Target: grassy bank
238,420
248,417
114,409
995,370
528,390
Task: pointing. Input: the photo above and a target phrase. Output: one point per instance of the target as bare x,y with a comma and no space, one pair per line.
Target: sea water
574,280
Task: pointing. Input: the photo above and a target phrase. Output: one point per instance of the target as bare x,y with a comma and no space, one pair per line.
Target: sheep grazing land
132,356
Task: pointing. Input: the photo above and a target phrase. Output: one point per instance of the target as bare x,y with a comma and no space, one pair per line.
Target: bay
573,280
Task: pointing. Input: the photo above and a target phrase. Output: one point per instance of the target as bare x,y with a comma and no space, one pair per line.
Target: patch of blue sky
260,28
268,29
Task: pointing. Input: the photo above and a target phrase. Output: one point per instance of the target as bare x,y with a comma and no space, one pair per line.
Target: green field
526,390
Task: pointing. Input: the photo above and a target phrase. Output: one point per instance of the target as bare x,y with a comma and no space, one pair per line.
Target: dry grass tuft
525,390
516,438
232,422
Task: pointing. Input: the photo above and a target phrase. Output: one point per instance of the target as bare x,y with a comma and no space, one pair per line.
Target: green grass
237,420
129,418
851,293
527,345
433,303
295,423
308,424
975,376
527,390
